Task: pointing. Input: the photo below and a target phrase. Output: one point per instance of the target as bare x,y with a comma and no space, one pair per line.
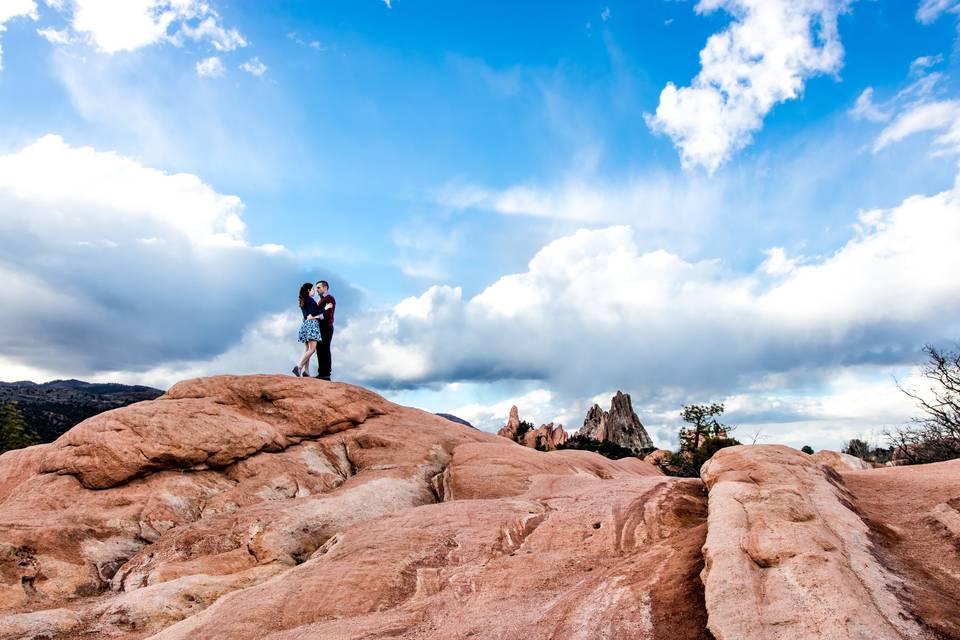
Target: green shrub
687,465
604,448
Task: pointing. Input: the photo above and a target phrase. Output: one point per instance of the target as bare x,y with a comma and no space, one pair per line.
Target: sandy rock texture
271,507
794,550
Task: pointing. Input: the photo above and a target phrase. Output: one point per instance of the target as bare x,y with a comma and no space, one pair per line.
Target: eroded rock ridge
274,508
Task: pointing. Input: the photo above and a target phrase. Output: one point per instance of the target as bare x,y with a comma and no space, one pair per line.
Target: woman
309,330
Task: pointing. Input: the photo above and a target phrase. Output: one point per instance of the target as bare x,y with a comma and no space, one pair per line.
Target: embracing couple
317,327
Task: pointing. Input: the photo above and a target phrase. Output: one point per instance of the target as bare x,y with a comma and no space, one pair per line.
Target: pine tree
13,428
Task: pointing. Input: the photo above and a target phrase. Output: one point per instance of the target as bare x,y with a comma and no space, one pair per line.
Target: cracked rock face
269,507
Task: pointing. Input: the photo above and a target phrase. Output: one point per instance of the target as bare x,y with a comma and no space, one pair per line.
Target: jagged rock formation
620,425
512,428
269,507
546,437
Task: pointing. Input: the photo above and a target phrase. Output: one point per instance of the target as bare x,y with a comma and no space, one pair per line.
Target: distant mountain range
51,408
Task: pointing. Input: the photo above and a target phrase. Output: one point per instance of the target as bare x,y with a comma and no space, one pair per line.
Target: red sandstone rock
788,554
282,508
545,438
660,459
840,462
510,429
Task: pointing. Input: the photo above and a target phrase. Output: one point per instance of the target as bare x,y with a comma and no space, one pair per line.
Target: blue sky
533,203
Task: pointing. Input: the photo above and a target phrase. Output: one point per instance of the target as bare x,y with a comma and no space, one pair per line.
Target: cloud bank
592,312
111,265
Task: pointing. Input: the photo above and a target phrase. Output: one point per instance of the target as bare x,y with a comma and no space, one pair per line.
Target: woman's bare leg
308,348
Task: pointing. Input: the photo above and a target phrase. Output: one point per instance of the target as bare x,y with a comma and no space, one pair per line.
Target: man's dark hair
324,283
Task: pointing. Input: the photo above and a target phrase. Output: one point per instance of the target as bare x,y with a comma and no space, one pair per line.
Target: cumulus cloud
763,58
592,310
211,67
254,67
108,264
132,24
10,9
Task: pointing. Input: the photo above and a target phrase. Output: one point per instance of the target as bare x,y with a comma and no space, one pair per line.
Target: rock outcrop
546,437
620,425
798,550
661,459
268,507
512,429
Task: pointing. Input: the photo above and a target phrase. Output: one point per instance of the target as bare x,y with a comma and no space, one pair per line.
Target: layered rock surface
620,425
278,508
799,549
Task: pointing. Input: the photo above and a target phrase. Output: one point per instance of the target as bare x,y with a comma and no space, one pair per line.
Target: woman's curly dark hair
304,292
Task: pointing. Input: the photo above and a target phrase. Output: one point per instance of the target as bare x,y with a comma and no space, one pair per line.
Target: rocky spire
513,425
545,438
620,425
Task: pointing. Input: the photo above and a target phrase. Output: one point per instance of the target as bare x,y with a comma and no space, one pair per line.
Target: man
328,304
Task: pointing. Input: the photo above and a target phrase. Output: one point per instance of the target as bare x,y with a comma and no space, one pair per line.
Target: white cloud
10,9
533,405
865,109
930,10
605,14
763,58
651,200
211,67
119,194
777,262
924,116
254,67
591,307
56,36
108,264
389,3
210,30
128,25
921,64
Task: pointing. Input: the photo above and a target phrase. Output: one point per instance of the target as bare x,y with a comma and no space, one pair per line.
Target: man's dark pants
324,362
